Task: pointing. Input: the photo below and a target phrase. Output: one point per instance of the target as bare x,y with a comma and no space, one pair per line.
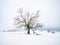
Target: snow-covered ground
17,38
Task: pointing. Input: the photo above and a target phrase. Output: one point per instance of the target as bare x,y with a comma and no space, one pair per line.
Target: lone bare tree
27,20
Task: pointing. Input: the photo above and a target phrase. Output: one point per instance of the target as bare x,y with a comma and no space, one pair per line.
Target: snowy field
18,38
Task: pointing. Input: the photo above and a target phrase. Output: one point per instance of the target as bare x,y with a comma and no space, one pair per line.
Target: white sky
49,9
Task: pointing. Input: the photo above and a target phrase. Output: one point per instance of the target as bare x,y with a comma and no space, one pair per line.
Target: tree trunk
28,32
